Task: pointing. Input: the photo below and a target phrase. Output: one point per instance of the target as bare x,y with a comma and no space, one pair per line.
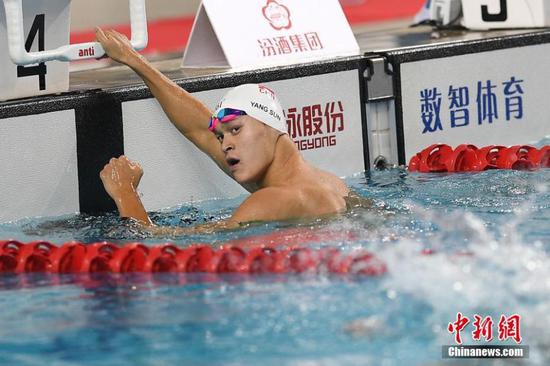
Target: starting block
487,14
36,36
498,14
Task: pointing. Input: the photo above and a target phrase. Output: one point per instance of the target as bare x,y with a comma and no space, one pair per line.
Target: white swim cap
257,101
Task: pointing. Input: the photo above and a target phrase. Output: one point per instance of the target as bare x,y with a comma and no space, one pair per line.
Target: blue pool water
490,232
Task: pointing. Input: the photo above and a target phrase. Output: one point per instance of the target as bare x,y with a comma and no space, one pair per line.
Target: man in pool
246,138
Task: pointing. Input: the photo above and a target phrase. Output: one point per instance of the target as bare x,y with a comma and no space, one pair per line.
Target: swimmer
246,137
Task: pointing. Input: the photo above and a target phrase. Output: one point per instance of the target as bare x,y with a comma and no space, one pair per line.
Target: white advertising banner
250,34
46,27
498,97
323,116
39,170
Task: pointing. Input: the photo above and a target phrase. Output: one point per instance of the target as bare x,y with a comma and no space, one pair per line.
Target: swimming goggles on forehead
223,116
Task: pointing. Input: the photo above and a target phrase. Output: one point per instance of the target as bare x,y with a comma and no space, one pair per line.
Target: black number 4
38,26
498,17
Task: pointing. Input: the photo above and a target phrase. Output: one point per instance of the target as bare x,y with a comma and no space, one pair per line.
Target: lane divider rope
104,257
440,158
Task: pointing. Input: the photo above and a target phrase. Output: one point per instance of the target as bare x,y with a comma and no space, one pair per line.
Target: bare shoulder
267,204
332,182
284,203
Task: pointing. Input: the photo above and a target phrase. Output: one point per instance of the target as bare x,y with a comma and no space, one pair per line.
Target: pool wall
344,114
499,84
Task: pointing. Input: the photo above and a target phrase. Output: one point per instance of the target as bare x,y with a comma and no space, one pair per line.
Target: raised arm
121,178
188,114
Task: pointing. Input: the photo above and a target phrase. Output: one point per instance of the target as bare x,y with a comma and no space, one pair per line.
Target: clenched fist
121,176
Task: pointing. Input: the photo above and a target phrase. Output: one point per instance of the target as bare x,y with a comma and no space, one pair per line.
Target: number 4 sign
252,34
46,25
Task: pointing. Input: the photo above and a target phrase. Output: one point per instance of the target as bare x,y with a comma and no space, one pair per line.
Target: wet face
248,146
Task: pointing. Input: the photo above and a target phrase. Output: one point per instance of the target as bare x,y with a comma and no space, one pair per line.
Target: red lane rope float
440,158
41,256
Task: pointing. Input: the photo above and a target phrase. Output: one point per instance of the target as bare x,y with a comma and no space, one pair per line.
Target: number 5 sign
46,26
491,14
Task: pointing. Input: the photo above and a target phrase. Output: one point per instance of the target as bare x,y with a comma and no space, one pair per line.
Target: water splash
489,234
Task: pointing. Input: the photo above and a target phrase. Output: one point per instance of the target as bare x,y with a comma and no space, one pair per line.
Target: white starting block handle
79,51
